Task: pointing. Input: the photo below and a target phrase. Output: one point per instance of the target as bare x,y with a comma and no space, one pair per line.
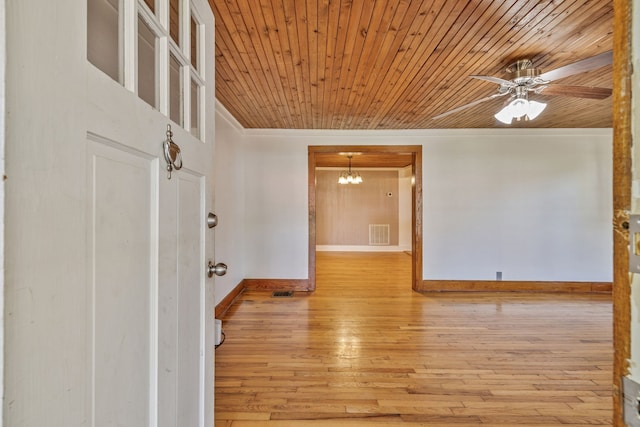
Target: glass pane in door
147,64
175,91
103,36
174,20
195,109
195,49
151,4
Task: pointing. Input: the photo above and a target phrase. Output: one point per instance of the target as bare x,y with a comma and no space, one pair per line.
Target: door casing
416,201
622,155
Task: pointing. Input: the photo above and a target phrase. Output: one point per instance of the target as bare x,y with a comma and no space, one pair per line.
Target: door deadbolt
220,269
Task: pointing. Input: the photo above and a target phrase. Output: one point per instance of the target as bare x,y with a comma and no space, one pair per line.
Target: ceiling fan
524,78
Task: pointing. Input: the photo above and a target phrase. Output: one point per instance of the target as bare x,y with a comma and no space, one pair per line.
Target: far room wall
534,204
345,213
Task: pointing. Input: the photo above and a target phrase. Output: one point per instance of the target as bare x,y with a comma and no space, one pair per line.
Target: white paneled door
112,315
151,358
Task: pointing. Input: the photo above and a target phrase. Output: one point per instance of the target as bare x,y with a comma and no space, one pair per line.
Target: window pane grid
153,48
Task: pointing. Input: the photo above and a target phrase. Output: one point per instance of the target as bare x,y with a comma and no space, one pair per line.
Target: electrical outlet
631,402
498,275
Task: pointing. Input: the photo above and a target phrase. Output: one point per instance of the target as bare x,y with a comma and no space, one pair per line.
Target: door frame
3,57
416,201
622,155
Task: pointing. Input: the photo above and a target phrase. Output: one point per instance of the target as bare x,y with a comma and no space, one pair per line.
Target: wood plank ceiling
395,64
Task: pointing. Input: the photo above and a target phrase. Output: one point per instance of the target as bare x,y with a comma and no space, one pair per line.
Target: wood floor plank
364,349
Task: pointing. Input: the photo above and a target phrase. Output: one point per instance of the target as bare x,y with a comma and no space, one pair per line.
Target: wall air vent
378,234
281,294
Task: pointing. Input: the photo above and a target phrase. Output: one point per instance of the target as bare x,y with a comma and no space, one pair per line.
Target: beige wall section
344,212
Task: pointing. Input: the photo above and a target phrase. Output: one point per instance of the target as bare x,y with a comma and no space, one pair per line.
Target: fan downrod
522,71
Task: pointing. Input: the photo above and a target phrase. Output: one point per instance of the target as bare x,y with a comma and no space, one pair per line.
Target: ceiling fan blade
581,66
589,92
497,80
471,104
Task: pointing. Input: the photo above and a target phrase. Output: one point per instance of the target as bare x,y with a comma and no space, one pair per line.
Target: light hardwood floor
366,350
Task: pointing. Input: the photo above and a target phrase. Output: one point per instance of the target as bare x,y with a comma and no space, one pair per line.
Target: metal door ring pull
172,153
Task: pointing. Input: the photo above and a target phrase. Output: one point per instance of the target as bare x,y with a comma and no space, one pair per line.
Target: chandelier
349,177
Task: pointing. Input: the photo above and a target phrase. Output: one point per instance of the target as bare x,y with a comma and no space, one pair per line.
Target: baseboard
514,286
276,284
427,286
227,302
260,285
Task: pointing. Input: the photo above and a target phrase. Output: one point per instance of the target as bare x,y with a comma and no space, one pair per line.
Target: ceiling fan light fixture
535,108
504,116
524,78
518,108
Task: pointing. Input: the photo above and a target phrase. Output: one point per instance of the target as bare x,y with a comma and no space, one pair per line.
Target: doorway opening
381,156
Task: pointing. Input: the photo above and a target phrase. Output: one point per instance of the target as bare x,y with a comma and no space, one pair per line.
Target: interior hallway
366,350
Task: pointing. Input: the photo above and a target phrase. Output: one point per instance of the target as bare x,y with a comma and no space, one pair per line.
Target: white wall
276,203
532,207
533,204
229,202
